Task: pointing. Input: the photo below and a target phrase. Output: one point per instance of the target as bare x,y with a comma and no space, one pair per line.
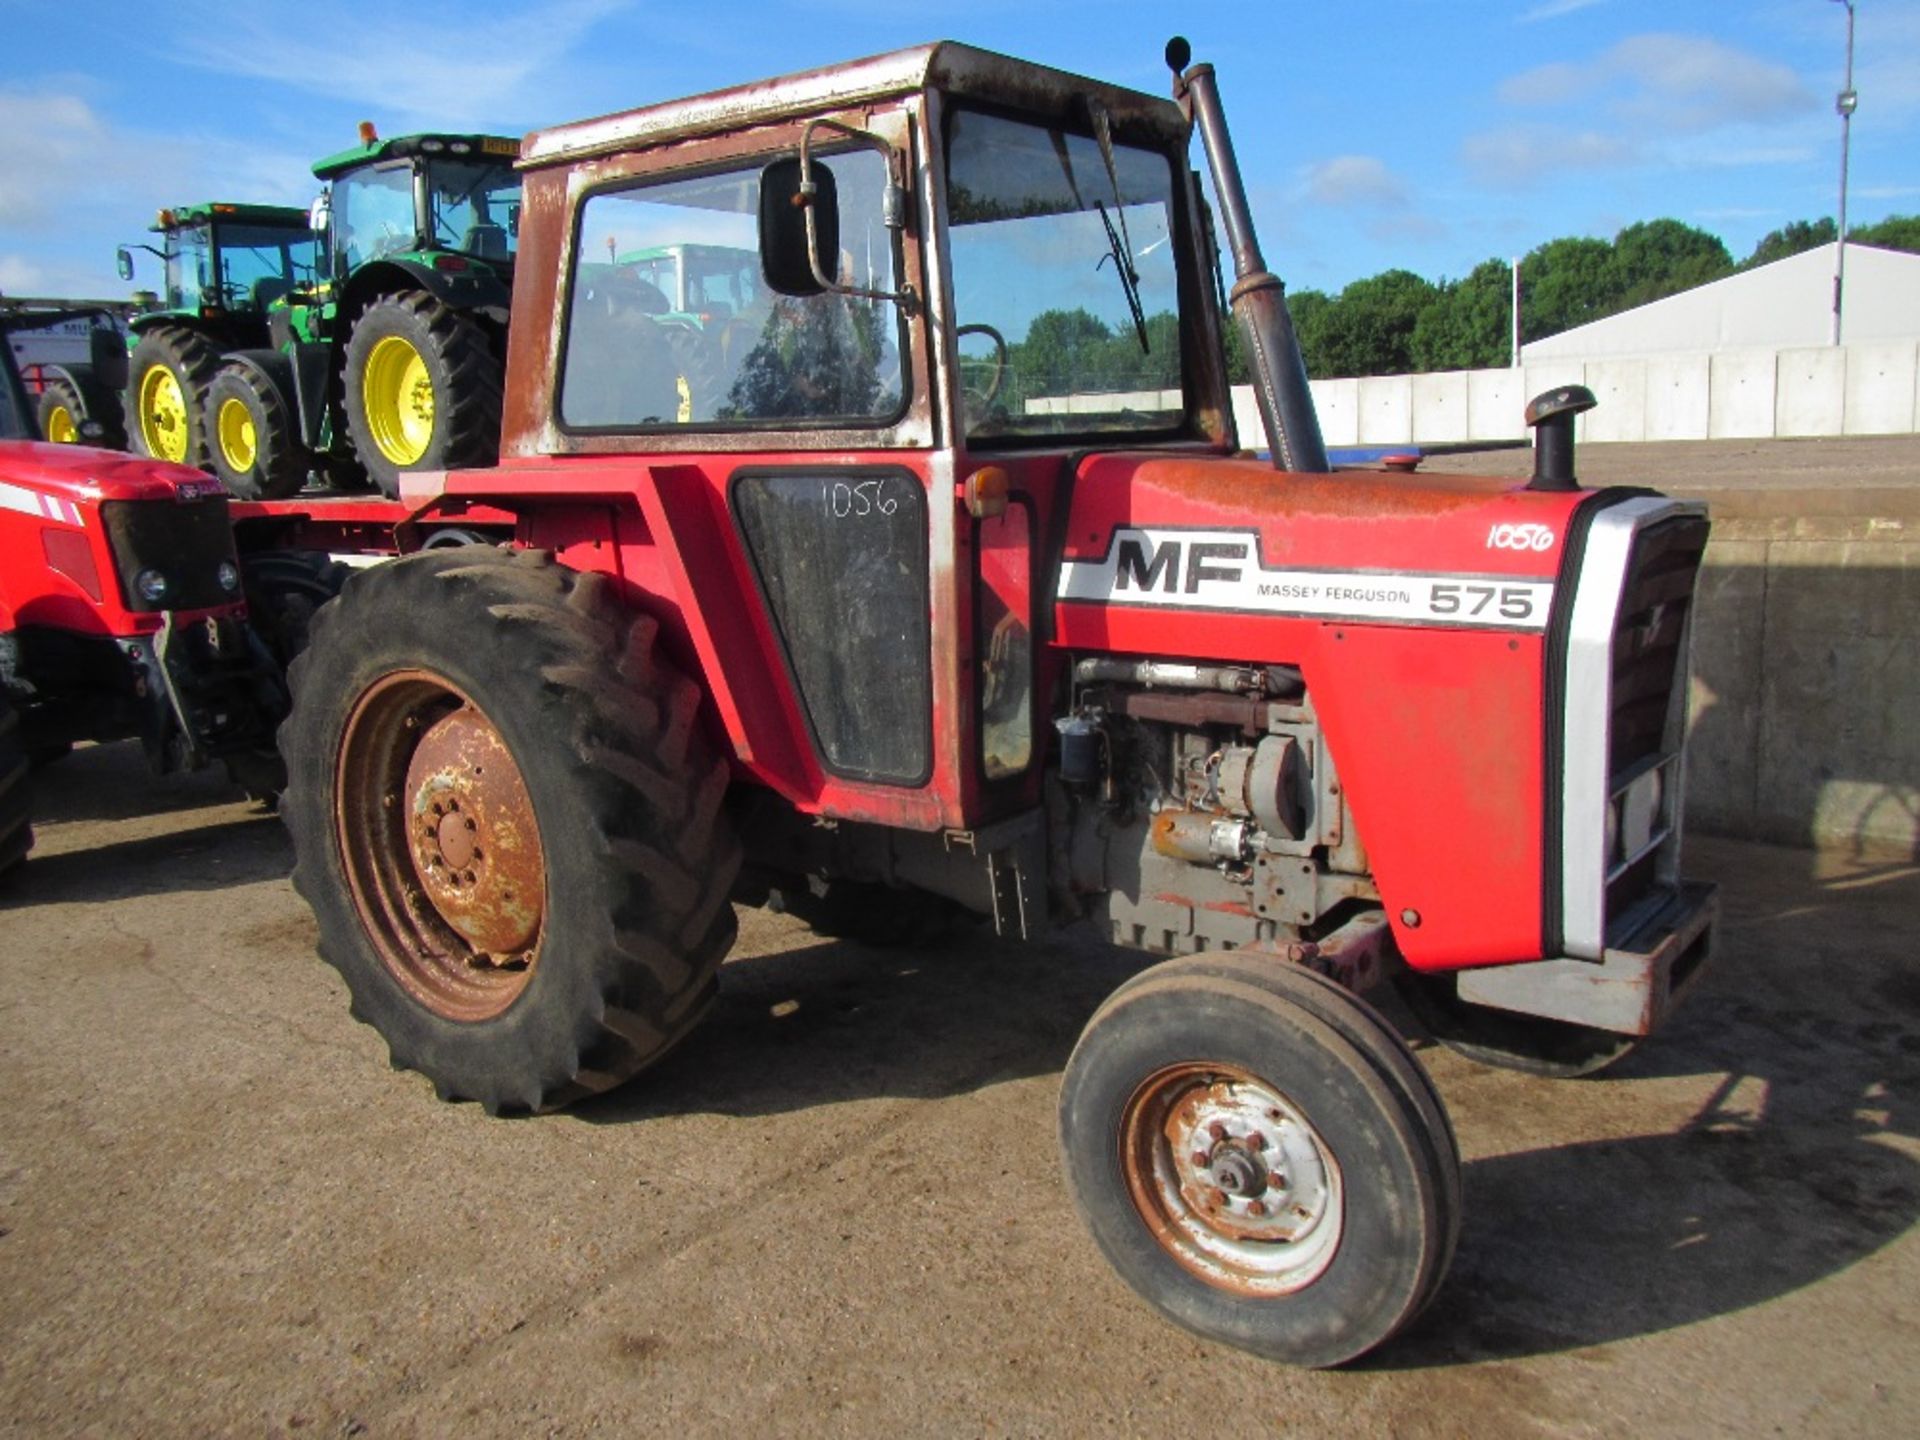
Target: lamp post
1843,104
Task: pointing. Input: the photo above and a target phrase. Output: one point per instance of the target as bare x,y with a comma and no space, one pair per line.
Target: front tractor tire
508,825
16,796
170,371
1261,1158
60,412
255,449
423,389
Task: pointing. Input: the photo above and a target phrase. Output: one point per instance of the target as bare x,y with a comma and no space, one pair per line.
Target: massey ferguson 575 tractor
852,622
121,615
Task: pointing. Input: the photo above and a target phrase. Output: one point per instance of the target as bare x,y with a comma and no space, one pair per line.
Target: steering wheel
986,398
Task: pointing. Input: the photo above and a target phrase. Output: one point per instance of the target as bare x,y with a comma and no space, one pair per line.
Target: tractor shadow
824,1021
1799,1162
1801,1053
145,837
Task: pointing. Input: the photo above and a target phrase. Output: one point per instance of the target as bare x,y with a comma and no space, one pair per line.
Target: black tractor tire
1551,1049
16,794
284,588
462,370
60,412
561,689
253,442
51,753
1345,1209
192,363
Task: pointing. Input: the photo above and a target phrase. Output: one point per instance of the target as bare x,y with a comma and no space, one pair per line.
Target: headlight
151,586
228,575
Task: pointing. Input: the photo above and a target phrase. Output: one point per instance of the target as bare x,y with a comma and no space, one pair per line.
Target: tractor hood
85,475
1235,536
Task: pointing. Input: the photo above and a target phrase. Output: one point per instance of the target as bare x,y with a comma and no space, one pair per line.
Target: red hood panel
83,474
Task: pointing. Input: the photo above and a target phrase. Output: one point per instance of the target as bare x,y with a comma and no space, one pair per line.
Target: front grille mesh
1649,654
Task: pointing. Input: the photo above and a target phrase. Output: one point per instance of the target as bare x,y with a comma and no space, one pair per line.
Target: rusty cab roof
960,70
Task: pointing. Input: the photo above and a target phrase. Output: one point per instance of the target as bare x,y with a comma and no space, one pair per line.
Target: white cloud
1669,83
433,64
1554,9
79,160
1516,157
1354,180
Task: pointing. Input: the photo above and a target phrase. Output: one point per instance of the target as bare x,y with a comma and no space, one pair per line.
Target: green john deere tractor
222,266
393,359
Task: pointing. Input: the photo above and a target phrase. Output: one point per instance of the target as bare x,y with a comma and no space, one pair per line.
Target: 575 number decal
1510,602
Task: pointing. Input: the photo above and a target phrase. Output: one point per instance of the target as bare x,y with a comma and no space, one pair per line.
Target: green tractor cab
222,267
392,359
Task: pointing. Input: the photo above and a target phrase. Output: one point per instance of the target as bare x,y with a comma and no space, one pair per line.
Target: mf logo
1136,568
1527,536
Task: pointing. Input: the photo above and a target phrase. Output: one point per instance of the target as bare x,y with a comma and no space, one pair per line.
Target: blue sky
1429,134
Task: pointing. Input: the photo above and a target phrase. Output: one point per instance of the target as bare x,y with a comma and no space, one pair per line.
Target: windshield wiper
1129,277
1119,244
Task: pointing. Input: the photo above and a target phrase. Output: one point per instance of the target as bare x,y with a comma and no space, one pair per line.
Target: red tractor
121,615
947,583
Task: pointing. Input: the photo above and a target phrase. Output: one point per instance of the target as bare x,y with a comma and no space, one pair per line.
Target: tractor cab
221,262
433,200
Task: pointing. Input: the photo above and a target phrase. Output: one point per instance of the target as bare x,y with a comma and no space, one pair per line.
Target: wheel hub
472,836
1232,1179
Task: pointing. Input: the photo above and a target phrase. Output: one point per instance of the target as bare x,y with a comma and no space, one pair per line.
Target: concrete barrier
1868,389
1806,684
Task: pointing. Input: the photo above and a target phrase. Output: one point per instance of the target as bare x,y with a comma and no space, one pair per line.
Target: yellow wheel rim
163,414
397,394
239,447
60,426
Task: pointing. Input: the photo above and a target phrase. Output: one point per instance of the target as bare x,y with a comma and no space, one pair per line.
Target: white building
1781,306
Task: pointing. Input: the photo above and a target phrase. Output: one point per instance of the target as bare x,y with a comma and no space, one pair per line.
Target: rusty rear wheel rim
1231,1179
440,846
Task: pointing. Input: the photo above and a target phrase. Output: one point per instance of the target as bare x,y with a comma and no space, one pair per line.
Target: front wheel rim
239,444
163,414
1231,1179
441,847
396,393
61,429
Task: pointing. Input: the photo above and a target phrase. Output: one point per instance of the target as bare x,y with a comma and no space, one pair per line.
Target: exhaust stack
1258,299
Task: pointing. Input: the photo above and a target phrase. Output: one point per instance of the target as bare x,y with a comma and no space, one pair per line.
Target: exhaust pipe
1258,299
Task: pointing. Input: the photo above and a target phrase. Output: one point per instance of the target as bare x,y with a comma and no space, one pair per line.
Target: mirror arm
904,297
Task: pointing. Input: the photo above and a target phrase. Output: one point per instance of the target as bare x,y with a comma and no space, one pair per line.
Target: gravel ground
838,1208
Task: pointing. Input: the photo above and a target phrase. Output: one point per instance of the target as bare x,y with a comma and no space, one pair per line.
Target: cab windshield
472,207
1066,296
260,263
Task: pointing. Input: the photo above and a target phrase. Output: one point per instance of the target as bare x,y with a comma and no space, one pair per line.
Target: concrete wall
1867,389
1806,686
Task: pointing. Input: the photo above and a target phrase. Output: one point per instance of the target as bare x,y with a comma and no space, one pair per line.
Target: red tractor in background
121,615
949,584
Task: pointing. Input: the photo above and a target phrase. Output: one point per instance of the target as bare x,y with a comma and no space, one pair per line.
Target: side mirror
123,263
319,214
792,251
513,221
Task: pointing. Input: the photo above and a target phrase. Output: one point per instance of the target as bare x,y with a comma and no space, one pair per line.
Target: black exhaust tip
1550,414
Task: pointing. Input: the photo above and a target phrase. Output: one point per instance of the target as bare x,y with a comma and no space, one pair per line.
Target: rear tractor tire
171,368
61,411
16,797
1261,1158
508,824
423,389
255,447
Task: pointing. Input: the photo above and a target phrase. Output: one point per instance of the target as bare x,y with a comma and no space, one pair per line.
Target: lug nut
1257,1140
1256,1209
1199,1159
1217,1130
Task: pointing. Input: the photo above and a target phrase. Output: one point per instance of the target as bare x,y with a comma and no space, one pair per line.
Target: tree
1657,258
1368,330
1469,323
1309,309
1791,239
1896,232
1564,283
